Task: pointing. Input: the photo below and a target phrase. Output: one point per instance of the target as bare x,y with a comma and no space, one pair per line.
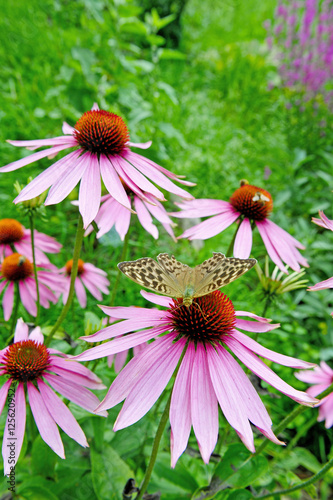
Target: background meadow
203,85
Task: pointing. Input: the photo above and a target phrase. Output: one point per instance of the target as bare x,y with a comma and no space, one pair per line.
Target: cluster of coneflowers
302,40
191,344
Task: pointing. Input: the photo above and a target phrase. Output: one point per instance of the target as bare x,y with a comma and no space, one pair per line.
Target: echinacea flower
112,213
322,377
41,371
17,269
102,152
208,374
250,206
89,276
13,233
327,224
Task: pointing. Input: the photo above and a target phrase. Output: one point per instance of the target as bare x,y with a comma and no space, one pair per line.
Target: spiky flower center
69,265
101,132
207,319
16,267
11,231
26,360
253,202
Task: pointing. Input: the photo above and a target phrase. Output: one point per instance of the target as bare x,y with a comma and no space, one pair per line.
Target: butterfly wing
150,274
218,271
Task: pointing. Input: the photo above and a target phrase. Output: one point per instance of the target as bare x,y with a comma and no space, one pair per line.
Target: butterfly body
170,277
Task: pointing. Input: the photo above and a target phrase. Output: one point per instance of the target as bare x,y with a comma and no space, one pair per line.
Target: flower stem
16,306
231,246
302,484
76,255
122,258
158,436
32,232
266,306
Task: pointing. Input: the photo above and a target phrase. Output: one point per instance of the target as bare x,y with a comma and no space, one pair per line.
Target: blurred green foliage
204,102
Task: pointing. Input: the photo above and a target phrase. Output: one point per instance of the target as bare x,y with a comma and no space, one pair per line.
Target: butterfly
170,277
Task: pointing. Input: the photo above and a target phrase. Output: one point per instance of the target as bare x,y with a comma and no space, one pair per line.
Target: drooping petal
61,414
112,182
204,409
90,191
133,312
117,329
254,316
243,240
44,180
156,299
74,392
264,372
27,298
38,143
80,293
269,247
201,208
145,217
281,359
8,301
180,407
119,344
3,393
150,386
322,285
211,227
67,182
141,145
46,425
14,434
255,326
224,386
32,158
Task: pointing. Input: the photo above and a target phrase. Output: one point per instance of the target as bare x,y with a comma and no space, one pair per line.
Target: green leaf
179,476
171,54
233,472
92,323
133,27
43,459
109,473
240,495
36,488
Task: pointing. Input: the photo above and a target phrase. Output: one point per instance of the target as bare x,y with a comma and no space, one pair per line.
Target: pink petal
156,299
119,344
283,234
32,158
67,182
255,326
269,246
92,288
122,224
74,392
226,392
201,208
243,240
80,293
149,387
251,315
133,312
61,414
211,227
21,331
87,377
90,191
134,371
36,335
322,285
155,175
145,218
204,409
44,180
45,142
27,298
268,354
8,301
17,434
264,372
141,145
180,407
3,393
117,329
67,129
46,425
120,360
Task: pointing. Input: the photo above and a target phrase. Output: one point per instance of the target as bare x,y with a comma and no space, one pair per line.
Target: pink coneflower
327,224
251,206
89,276
13,233
28,363
16,268
321,377
103,151
208,375
112,213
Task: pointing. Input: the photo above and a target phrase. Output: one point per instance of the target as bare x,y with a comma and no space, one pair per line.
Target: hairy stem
76,255
32,232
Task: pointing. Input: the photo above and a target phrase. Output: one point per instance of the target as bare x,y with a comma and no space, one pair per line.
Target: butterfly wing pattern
218,271
170,277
